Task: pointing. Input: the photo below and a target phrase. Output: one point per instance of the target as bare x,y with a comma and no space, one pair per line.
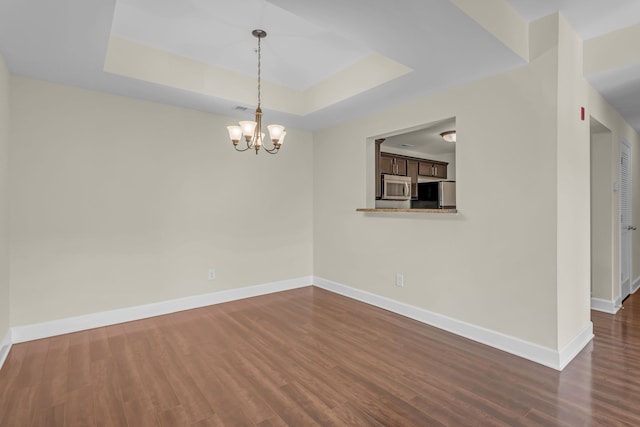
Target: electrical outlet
212,274
400,280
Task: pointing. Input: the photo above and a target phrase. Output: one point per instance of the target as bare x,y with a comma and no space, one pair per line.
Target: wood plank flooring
309,357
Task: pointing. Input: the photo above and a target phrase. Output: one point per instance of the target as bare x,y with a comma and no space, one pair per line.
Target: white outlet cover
399,280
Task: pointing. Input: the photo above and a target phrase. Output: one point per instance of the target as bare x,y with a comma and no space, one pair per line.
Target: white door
626,228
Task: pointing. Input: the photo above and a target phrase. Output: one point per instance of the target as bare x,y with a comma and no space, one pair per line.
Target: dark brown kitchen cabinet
440,170
386,165
412,171
393,165
425,169
432,169
401,166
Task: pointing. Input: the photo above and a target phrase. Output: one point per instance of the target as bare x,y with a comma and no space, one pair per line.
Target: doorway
626,226
605,287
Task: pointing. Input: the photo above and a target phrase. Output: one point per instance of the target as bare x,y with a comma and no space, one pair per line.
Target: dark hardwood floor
309,357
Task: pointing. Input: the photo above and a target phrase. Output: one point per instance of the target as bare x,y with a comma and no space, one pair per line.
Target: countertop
393,210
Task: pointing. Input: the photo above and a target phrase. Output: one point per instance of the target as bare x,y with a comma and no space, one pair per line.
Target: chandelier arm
273,150
244,149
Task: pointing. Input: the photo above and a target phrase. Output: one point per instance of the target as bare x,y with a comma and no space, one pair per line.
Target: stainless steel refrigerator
436,195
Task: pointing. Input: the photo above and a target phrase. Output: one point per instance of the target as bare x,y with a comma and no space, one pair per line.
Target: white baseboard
635,285
112,317
618,303
605,306
575,346
556,359
5,346
543,355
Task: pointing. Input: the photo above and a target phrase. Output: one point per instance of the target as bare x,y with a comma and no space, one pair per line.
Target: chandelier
252,130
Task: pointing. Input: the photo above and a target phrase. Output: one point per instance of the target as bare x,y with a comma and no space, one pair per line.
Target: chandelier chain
259,61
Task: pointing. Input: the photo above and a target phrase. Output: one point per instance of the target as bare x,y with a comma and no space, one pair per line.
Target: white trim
619,302
635,285
604,305
543,355
112,317
575,346
5,347
534,352
624,142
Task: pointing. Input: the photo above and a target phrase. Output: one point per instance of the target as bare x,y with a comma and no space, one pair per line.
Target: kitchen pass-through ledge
393,210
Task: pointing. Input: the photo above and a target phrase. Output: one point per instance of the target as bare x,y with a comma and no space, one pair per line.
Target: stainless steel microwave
396,187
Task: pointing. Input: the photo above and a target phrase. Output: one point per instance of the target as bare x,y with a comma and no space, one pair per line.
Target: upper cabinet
433,169
391,164
387,166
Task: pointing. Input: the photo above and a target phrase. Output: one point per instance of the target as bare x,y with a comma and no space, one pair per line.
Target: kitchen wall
4,235
117,202
496,264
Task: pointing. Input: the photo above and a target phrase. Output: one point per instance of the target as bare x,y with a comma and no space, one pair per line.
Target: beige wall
117,202
574,190
514,260
603,281
611,119
4,209
494,263
601,54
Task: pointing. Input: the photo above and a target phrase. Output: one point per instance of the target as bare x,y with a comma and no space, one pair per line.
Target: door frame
625,145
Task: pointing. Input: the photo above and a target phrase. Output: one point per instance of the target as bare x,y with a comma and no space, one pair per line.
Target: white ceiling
620,86
66,41
422,142
589,18
219,33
